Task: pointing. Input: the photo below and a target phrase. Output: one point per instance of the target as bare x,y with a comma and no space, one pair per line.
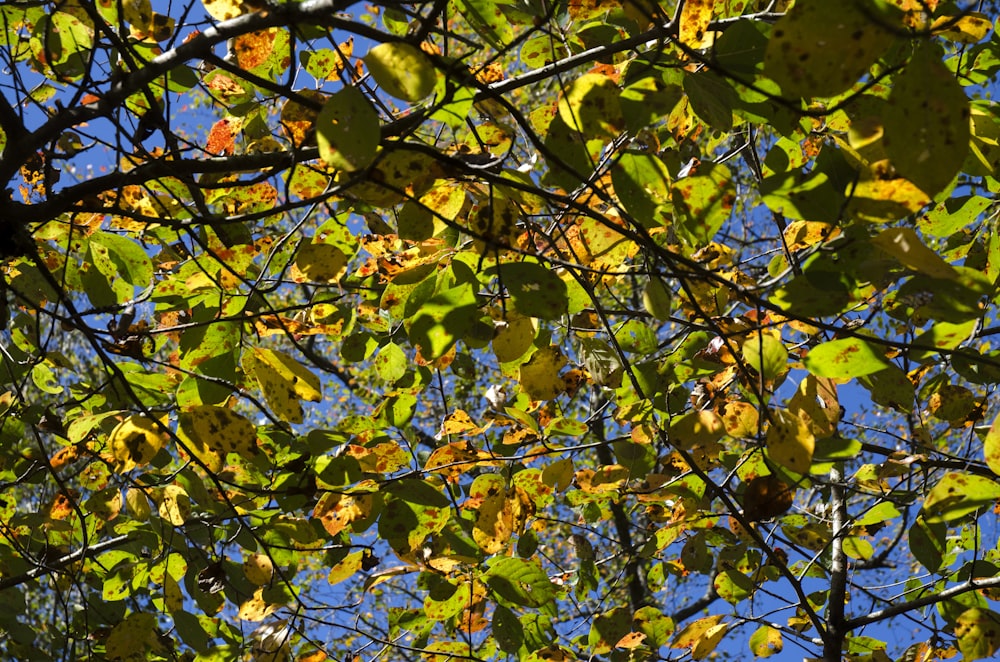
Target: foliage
595,329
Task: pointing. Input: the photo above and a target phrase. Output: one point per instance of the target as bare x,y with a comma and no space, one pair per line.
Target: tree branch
60,563
933,599
833,639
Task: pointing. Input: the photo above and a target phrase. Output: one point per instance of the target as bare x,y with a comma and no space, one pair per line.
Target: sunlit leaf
347,130
957,495
174,505
539,376
284,382
135,441
701,636
821,49
766,641
591,107
978,633
132,637
694,21
402,70
904,245
927,122
703,202
845,358
790,442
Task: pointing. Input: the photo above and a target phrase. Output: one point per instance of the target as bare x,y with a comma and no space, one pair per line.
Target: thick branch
933,598
833,641
57,565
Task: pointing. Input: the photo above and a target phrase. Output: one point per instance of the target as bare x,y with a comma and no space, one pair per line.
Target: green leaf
877,514
845,358
642,184
904,245
733,586
953,215
858,548
712,98
766,354
347,130
820,48
507,630
391,363
927,121
535,290
444,318
703,201
890,388
978,633
540,51
402,70
519,581
443,603
607,629
487,19
928,543
957,495
634,337
766,641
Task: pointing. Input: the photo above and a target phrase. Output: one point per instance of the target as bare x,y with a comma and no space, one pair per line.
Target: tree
456,329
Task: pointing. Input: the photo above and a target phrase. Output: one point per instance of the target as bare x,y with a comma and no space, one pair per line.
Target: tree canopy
469,330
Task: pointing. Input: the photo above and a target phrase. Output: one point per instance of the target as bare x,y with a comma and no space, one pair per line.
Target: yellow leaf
223,10
740,419
904,245
346,568
173,598
255,609
695,17
130,638
709,641
454,459
790,443
696,428
135,441
696,631
631,640
592,106
105,504
539,377
337,511
965,29
803,234
138,504
258,569
174,505
559,474
766,641
817,404
210,432
284,382
459,422
318,263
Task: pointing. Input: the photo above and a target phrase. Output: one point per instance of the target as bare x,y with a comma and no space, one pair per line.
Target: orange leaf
222,137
